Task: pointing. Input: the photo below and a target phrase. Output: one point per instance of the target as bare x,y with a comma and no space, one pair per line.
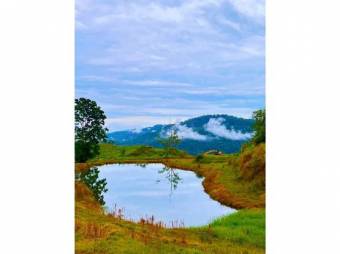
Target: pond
173,196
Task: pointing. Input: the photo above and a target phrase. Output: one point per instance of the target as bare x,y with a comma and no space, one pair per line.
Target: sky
148,62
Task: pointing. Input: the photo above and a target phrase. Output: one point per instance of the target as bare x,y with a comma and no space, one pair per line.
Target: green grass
240,233
243,227
125,153
210,158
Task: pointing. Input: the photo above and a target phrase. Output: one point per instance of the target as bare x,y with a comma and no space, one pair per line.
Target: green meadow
228,179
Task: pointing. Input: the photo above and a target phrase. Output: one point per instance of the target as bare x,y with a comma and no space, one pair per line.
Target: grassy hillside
110,152
252,164
227,179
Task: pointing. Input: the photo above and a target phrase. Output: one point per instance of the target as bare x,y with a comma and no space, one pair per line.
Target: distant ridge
220,132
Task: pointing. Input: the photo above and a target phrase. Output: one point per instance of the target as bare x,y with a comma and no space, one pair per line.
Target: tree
89,129
259,117
170,143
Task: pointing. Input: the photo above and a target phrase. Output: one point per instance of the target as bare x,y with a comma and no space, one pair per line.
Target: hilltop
220,132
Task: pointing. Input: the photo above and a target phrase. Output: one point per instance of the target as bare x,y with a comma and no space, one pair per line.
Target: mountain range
219,132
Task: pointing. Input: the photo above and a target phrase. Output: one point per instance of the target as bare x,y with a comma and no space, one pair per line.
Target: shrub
142,151
259,126
199,158
252,164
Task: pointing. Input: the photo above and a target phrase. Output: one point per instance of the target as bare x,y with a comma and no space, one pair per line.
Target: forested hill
221,132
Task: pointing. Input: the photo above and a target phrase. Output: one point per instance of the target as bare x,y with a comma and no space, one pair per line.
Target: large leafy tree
89,129
259,117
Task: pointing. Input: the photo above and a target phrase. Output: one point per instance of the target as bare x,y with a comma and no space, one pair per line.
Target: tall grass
253,164
243,227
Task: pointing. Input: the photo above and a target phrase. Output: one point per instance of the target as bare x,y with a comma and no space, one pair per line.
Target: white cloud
133,12
251,8
150,35
216,127
139,11
80,25
229,23
236,89
134,122
163,60
185,132
157,83
136,130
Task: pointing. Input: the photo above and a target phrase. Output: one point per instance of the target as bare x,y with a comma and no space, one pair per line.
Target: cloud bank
185,132
216,127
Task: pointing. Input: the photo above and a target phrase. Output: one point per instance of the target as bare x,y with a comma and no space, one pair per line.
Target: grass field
242,232
126,153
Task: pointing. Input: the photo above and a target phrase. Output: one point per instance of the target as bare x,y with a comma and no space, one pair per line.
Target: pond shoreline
153,190
212,187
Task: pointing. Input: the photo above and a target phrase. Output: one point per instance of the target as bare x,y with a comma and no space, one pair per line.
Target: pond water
172,196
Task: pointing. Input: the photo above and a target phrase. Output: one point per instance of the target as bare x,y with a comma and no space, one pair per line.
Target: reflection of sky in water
143,191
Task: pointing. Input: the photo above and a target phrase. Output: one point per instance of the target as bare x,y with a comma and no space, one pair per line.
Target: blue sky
150,62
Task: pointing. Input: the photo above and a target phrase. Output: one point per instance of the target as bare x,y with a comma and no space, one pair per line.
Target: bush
85,150
199,158
176,153
252,164
142,151
122,152
259,126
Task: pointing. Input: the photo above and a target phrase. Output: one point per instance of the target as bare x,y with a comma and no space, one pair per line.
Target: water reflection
91,179
172,176
142,165
144,192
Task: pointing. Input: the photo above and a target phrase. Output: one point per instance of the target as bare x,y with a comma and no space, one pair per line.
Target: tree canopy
89,129
259,117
